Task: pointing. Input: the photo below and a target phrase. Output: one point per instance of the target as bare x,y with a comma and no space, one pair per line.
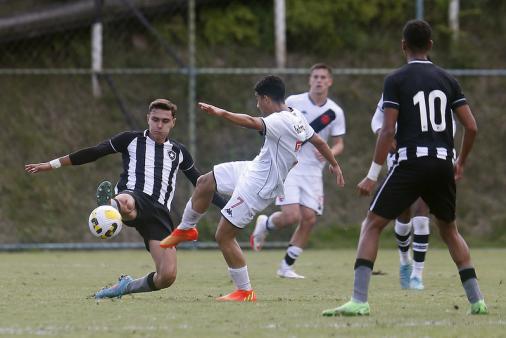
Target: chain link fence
58,95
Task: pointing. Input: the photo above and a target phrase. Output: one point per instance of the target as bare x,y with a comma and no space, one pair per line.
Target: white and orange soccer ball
105,222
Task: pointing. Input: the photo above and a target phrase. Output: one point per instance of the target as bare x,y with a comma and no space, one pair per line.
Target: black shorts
430,178
153,220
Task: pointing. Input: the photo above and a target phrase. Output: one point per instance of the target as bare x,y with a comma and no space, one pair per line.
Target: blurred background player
410,272
303,188
144,191
419,98
253,185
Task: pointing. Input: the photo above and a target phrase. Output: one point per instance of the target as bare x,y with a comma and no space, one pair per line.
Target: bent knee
206,181
166,278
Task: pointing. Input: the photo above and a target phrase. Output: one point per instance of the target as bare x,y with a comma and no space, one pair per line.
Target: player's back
285,132
425,95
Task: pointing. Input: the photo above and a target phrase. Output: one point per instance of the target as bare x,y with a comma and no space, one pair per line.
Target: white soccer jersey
284,134
308,162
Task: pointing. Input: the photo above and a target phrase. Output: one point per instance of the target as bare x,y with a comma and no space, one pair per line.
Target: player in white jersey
303,197
254,184
410,271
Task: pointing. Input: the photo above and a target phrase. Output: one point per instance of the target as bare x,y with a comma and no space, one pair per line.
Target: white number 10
419,99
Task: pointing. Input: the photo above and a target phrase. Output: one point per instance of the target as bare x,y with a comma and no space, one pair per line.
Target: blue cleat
416,283
405,274
115,291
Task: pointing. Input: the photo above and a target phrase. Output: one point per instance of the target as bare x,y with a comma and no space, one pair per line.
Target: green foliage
236,22
333,25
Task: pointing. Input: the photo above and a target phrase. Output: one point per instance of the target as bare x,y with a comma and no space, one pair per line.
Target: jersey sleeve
391,95
120,142
377,119
338,126
187,162
459,99
272,125
116,144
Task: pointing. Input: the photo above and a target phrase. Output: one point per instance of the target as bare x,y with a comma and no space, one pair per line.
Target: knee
166,278
290,218
126,204
308,221
206,182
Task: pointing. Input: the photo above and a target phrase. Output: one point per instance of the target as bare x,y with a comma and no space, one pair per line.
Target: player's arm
336,148
383,144
242,120
192,175
337,145
324,149
76,158
466,118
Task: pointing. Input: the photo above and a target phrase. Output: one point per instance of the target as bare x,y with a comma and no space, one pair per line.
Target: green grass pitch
45,294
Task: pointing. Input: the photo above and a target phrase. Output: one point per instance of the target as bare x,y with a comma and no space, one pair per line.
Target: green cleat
352,308
104,193
479,308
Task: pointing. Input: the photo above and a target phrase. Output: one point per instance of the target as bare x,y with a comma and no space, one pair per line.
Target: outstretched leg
195,208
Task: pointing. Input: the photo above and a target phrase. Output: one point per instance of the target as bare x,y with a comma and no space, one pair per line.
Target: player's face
263,104
320,81
160,123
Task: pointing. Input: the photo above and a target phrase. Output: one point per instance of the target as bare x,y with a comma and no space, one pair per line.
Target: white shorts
303,190
232,179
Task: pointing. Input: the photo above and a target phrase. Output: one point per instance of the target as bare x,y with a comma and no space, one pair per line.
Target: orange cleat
239,296
177,236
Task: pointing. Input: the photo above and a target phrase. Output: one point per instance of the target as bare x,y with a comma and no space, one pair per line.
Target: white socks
240,277
402,233
190,217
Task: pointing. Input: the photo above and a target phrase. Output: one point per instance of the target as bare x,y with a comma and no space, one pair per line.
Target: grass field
45,294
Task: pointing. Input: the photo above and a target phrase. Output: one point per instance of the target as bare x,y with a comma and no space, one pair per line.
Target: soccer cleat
115,291
257,238
404,275
479,308
177,236
239,296
416,283
288,273
104,193
351,308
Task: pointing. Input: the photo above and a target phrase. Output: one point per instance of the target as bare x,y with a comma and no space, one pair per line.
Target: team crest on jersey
172,154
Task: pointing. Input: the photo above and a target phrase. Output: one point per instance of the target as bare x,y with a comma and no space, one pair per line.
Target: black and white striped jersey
150,167
425,95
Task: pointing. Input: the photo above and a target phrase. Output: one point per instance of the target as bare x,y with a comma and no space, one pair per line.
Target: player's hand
210,109
458,170
366,186
336,170
37,167
319,155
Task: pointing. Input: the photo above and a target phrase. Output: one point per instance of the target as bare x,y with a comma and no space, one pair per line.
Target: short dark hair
417,34
163,104
273,87
320,66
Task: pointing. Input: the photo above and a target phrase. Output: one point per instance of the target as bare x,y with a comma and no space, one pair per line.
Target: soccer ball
105,222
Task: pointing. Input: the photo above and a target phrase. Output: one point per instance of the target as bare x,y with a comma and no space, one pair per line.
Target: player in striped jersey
420,98
144,191
253,185
410,271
